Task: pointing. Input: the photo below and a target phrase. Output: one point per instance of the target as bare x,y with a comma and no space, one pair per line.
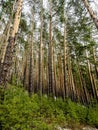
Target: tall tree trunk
40,51
4,42
6,35
83,85
94,58
55,79
5,69
36,76
71,80
91,12
61,76
31,64
50,61
31,67
25,73
16,66
65,53
93,85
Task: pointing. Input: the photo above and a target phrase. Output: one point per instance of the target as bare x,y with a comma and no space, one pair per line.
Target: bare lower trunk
83,85
50,62
65,73
25,73
31,64
40,52
5,69
71,80
93,84
31,67
94,58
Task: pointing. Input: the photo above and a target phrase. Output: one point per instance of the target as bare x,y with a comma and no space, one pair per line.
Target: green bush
16,109
19,111
93,115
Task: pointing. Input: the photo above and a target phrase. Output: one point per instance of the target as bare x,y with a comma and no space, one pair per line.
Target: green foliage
93,115
23,25
19,111
7,6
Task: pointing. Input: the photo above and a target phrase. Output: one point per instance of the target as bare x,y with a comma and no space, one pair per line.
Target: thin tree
31,66
40,50
50,61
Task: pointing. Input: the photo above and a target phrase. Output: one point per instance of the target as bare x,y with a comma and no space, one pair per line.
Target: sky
94,5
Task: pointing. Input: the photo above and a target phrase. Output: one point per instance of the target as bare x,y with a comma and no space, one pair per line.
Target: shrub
93,115
18,111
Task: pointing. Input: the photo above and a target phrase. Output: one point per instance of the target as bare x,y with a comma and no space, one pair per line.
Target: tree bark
6,35
91,12
93,85
94,58
71,80
31,64
83,85
50,61
31,67
5,69
65,52
40,51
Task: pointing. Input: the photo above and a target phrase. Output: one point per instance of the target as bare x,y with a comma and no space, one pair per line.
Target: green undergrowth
21,112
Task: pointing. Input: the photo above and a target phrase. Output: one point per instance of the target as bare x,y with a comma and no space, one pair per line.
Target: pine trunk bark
4,42
94,58
5,69
83,85
71,80
93,85
65,53
50,61
25,73
31,65
6,35
91,12
40,51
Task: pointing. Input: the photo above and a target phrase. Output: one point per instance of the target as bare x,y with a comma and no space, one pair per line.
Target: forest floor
79,128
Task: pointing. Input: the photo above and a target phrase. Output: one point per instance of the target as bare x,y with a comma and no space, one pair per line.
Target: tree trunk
65,49
6,35
71,79
94,58
31,67
93,85
91,12
40,51
61,76
25,73
4,42
50,61
5,69
31,64
83,85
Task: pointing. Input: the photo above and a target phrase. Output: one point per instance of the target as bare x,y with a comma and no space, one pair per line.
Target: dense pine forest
48,64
